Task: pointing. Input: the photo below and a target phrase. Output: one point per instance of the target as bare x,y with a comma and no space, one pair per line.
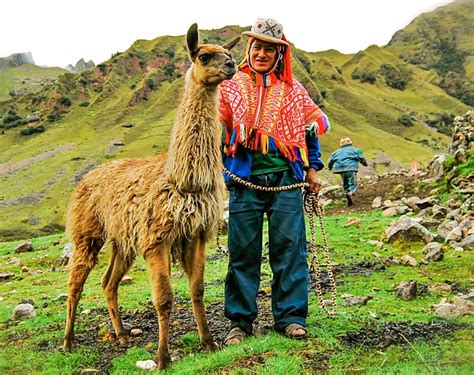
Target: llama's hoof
123,339
210,347
67,346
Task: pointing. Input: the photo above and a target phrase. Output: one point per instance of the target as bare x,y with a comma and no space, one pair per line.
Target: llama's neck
194,157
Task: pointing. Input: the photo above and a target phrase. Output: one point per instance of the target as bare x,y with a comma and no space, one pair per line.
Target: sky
60,32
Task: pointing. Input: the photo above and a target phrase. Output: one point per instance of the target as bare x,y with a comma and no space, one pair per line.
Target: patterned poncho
261,112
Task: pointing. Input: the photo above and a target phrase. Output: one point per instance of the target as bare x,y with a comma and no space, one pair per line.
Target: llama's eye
204,58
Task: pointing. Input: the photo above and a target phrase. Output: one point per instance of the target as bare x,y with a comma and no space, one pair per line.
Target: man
345,161
271,129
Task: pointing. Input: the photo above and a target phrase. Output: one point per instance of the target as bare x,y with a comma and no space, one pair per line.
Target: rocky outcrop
80,66
16,59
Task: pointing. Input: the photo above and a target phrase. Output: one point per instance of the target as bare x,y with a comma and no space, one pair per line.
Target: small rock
435,255
391,211
352,221
377,202
408,260
66,255
439,212
14,261
409,230
24,247
391,261
355,300
455,235
23,311
6,275
453,203
379,244
149,365
440,287
458,249
375,254
24,269
454,214
136,332
28,301
446,227
126,280
86,312
90,371
61,297
467,243
431,246
446,310
407,290
45,296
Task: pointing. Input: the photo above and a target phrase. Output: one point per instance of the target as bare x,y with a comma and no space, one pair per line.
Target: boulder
428,201
23,311
408,260
467,243
446,227
24,247
407,290
434,255
455,235
431,246
439,212
377,202
409,230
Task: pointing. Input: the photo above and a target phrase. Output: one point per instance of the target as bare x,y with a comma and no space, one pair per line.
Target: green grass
32,345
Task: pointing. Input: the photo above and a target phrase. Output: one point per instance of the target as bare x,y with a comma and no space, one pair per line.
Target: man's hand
313,181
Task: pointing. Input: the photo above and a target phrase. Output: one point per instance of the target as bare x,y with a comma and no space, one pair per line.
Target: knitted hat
269,30
345,141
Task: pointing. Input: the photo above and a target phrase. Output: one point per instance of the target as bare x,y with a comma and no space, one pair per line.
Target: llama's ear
192,40
232,44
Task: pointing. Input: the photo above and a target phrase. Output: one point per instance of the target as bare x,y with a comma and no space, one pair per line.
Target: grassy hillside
126,107
26,78
386,336
442,40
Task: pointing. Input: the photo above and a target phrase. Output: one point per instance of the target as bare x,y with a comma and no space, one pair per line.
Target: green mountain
442,40
126,107
26,78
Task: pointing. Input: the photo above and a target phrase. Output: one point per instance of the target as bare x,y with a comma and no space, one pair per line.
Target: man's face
262,55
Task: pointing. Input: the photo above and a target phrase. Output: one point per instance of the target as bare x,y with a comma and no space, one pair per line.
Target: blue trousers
287,254
349,181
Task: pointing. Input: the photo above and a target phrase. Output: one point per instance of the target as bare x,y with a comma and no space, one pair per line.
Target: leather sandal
292,327
235,336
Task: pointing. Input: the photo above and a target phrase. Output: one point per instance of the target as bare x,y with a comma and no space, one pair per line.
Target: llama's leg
110,282
158,260
84,259
194,264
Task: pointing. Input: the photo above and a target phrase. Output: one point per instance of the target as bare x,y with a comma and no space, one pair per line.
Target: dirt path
380,186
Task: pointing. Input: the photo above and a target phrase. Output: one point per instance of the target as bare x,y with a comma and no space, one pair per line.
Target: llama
163,208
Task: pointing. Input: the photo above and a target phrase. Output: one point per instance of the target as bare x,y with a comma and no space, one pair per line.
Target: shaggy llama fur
162,208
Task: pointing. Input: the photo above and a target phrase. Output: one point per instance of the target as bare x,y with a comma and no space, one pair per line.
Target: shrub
405,119
54,116
33,130
102,68
151,84
364,76
396,78
65,100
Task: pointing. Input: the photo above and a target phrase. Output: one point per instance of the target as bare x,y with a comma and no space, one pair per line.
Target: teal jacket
346,159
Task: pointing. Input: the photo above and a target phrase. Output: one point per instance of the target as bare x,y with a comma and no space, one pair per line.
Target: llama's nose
230,63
